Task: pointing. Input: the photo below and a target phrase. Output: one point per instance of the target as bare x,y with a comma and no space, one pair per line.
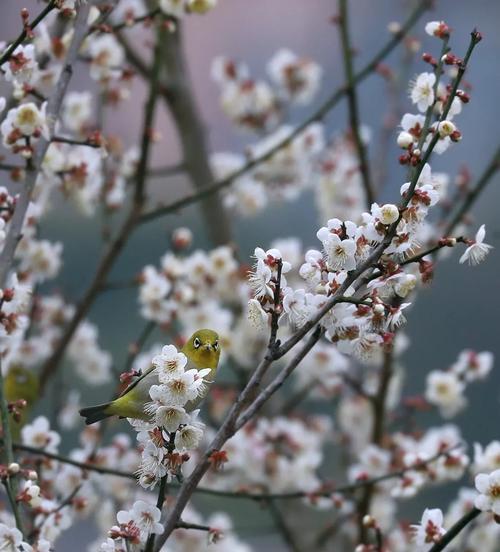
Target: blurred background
459,310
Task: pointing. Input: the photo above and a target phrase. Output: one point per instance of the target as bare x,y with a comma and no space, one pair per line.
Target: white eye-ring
216,345
196,343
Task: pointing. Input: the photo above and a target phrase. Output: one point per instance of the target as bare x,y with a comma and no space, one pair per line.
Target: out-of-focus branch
455,530
318,115
52,113
238,495
352,100
117,245
183,108
379,417
283,527
473,194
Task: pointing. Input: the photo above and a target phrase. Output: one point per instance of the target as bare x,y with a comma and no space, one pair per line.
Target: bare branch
352,99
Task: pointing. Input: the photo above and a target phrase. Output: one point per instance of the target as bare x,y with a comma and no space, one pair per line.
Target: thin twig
282,526
472,196
455,530
195,526
241,495
73,142
352,100
24,34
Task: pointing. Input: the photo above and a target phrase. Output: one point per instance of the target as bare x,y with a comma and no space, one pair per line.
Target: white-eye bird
202,350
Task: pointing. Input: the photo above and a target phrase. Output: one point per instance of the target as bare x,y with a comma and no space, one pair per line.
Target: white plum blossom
297,77
77,110
430,530
11,539
477,250
188,437
169,363
22,67
107,56
486,459
488,487
170,417
256,315
422,91
445,390
38,434
473,366
145,516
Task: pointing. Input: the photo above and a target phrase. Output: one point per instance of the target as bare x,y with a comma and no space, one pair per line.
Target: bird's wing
129,388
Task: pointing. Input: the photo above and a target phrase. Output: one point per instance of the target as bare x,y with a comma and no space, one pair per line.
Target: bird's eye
196,343
216,345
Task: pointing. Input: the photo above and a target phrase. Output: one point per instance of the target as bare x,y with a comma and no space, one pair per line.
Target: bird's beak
208,347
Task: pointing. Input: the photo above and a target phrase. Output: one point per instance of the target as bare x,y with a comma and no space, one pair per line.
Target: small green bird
20,384
202,350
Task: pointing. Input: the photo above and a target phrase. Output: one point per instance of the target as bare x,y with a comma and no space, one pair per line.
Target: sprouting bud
378,309
428,58
439,29
32,475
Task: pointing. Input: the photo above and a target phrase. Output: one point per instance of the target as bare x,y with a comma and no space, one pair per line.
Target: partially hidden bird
202,350
20,384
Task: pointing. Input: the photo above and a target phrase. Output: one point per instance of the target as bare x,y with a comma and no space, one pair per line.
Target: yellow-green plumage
202,351
20,383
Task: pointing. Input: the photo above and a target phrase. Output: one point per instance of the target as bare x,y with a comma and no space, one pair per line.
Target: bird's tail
93,414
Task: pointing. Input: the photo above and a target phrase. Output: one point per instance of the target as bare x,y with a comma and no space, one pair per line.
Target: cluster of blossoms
174,429
254,104
275,455
283,176
191,289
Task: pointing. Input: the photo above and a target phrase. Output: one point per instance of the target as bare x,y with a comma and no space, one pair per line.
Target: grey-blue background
461,307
